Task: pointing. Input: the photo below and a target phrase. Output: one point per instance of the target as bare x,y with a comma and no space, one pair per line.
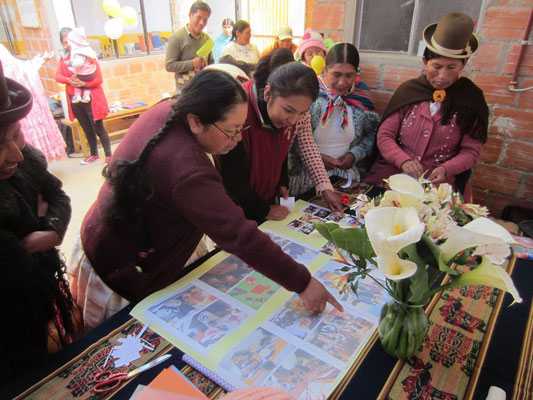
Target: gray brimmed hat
15,100
453,36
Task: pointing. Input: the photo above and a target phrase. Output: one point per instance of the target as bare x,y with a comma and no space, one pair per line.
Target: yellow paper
205,49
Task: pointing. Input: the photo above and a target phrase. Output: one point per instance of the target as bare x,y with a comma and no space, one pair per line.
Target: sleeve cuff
323,186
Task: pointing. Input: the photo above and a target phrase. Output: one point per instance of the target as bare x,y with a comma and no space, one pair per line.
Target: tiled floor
81,183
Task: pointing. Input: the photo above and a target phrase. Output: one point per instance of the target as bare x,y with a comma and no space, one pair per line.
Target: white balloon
114,28
131,27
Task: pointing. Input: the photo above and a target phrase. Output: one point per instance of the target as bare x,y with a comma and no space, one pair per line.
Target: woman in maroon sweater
163,193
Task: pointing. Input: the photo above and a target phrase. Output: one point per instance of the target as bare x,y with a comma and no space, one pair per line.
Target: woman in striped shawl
343,120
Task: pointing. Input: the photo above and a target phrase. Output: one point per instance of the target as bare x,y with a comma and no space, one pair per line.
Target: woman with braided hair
436,124
39,316
163,193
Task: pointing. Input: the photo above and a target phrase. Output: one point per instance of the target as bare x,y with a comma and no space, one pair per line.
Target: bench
78,135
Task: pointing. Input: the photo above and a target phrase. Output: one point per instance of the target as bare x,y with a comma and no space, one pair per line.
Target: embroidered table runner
75,379
447,364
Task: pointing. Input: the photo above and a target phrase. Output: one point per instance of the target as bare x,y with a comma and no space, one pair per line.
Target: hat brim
283,37
16,112
428,34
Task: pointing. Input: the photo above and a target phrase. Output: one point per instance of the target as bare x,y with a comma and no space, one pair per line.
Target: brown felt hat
15,100
453,36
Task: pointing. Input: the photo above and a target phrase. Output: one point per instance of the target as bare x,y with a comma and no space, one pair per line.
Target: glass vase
402,328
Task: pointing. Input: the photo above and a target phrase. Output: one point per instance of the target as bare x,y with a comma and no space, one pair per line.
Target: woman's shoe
89,160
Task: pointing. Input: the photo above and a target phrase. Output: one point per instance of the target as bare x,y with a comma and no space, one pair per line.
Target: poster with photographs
252,332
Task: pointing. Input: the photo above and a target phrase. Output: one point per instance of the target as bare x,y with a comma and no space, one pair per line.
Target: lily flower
390,229
442,194
341,283
497,253
394,268
487,274
477,232
411,191
474,210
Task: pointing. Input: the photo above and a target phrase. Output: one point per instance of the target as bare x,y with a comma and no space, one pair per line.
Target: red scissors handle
106,381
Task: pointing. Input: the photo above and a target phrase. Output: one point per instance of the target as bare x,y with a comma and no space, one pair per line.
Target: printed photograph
226,274
304,376
293,318
340,335
254,290
210,324
253,359
171,309
301,254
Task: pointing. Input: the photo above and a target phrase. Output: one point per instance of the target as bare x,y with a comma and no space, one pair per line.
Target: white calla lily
405,184
390,229
411,192
479,231
488,274
394,268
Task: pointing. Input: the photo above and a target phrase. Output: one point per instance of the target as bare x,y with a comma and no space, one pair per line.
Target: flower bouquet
417,236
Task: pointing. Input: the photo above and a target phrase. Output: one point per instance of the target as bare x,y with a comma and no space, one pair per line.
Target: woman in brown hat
436,124
34,214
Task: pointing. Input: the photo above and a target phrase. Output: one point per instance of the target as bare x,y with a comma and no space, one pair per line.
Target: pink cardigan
411,133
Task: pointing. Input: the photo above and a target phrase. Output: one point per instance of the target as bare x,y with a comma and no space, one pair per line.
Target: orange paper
172,381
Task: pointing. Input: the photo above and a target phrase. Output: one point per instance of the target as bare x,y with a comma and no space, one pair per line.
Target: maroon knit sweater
189,199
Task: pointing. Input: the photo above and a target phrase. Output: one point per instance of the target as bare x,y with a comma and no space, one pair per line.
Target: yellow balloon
128,15
318,63
111,7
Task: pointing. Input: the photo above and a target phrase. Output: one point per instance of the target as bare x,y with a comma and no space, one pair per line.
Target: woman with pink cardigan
435,125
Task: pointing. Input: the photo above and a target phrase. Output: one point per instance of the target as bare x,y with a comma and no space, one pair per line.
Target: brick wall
131,80
505,172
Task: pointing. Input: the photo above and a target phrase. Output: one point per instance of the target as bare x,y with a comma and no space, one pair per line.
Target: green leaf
419,281
437,255
353,240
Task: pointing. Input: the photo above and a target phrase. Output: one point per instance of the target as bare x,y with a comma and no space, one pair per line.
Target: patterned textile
39,128
75,379
447,364
523,388
359,97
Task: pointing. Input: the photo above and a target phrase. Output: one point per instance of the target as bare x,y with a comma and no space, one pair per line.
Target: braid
208,96
130,191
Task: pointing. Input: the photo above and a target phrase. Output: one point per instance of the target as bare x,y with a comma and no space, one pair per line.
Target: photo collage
316,214
287,347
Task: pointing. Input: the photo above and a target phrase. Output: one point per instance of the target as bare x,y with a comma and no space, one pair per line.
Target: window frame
353,26
116,54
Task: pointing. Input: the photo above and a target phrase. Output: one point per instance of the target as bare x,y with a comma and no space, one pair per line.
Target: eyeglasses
231,135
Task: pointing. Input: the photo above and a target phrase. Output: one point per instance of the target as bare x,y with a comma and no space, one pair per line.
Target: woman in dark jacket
39,315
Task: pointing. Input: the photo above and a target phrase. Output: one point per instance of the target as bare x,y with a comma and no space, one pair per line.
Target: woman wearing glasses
255,172
162,194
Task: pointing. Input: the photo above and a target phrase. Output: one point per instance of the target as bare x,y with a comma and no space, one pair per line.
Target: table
80,140
498,365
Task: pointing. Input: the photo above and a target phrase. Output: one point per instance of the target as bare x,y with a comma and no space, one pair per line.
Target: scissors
107,380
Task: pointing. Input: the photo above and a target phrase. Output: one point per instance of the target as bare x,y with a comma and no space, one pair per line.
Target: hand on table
277,213
437,175
315,296
413,168
333,201
346,161
329,162
41,241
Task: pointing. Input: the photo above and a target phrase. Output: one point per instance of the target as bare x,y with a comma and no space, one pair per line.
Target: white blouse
247,53
331,139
